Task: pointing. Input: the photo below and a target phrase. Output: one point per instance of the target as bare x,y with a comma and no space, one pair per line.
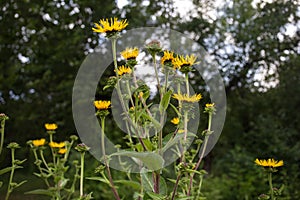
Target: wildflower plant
148,146
15,163
270,166
54,171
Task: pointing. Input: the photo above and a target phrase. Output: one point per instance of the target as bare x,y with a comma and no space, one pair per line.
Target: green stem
81,173
187,84
2,135
102,138
53,154
43,159
72,188
202,153
156,75
9,189
199,186
185,118
176,186
166,82
115,192
271,186
114,42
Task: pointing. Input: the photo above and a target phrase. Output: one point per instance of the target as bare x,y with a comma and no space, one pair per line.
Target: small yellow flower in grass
102,105
124,70
186,98
130,53
51,127
62,150
269,163
175,120
40,142
57,145
110,27
168,58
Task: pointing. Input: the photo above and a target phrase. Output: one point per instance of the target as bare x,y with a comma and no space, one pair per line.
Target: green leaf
103,180
154,121
155,196
151,160
164,103
148,144
148,185
175,140
1,183
147,182
41,192
5,170
133,184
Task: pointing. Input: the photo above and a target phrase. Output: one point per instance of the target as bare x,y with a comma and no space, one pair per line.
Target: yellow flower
180,131
210,105
39,142
130,53
62,151
51,127
102,105
185,97
110,27
269,163
175,120
167,58
210,108
181,61
57,145
124,70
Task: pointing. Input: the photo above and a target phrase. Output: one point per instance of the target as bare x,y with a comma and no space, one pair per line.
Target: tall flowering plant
146,149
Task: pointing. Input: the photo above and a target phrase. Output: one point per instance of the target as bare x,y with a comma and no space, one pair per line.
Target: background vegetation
43,43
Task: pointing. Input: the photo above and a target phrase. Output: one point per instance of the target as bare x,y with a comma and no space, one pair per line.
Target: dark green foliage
54,39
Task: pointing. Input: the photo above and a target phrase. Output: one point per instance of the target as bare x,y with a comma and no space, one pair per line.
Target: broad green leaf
175,140
164,103
133,184
155,196
151,160
41,192
154,121
148,144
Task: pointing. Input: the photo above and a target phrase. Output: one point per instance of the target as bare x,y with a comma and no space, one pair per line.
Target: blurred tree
42,46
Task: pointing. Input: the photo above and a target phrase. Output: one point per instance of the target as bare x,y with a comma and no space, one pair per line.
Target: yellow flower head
210,108
57,145
51,127
111,26
210,105
186,98
130,53
187,61
124,70
175,120
62,151
40,142
167,58
102,105
269,163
